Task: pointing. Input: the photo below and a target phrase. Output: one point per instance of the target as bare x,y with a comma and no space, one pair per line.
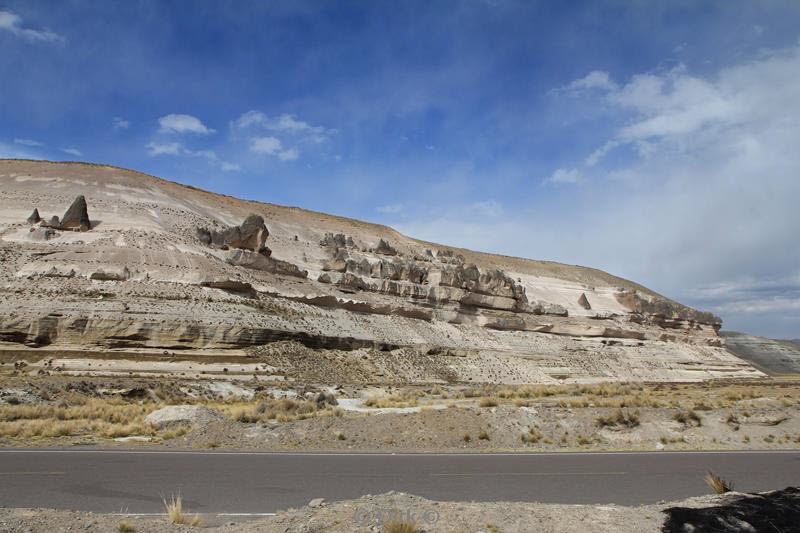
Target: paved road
234,482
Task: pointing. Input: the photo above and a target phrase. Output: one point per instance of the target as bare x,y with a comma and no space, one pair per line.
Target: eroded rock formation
250,235
77,216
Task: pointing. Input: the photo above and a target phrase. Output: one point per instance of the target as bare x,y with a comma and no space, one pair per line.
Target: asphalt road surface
242,482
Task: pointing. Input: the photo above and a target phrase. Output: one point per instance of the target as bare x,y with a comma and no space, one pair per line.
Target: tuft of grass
619,418
488,402
125,527
466,437
175,514
688,418
717,484
483,435
340,436
395,400
532,436
400,526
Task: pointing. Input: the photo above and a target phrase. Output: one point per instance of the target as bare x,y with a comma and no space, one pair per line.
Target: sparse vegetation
125,527
175,515
488,402
483,435
717,484
400,526
619,419
688,418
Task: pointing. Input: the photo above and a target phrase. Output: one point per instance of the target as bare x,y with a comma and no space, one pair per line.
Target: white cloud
12,23
120,123
289,155
28,142
13,151
174,148
565,175
700,205
265,145
488,208
72,151
284,123
176,123
597,79
154,148
390,209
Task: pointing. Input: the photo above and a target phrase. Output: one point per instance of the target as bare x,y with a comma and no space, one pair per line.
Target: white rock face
176,415
141,279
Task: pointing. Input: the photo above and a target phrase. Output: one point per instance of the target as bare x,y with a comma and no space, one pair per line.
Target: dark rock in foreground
77,216
34,218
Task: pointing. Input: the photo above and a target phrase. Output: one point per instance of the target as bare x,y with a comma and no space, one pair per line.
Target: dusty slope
144,280
773,356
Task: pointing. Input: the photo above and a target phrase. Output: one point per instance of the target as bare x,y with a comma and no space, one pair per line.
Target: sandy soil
374,514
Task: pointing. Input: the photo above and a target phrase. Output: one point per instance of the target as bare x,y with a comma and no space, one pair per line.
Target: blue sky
655,140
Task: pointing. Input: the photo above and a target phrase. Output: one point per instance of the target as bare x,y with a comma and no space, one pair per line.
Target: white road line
419,454
217,514
504,474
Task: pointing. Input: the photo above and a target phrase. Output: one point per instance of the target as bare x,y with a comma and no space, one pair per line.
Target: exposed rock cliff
168,267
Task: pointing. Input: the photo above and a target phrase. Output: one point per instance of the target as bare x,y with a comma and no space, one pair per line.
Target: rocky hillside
103,262
773,356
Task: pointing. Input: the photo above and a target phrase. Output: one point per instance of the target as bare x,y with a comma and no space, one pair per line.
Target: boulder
337,240
263,261
251,235
338,263
77,216
54,222
177,415
34,218
584,302
324,278
384,248
225,284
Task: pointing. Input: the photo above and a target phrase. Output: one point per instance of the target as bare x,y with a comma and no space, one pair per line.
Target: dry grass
688,418
125,527
619,419
717,484
532,436
103,418
283,410
488,402
395,400
175,514
400,526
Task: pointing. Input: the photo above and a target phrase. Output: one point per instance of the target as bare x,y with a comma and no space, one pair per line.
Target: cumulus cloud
273,146
72,151
265,145
119,123
176,123
154,148
565,175
285,123
289,154
28,142
596,79
12,23
177,149
700,204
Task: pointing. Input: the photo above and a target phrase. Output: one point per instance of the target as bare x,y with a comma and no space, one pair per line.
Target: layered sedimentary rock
170,267
250,235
